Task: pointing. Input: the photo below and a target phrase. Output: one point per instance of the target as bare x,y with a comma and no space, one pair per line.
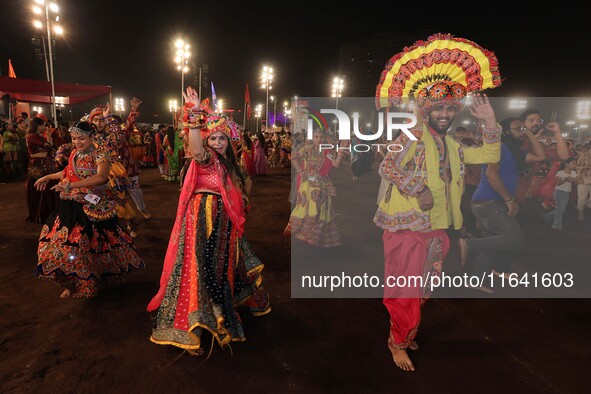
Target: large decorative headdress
208,121
442,69
97,111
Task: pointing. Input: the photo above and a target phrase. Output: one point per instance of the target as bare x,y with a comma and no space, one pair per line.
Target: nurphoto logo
394,121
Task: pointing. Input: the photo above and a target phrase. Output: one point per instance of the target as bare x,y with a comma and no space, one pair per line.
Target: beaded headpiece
98,110
209,122
84,128
442,69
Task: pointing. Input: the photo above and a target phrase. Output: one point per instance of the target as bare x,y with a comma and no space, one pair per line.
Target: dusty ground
304,345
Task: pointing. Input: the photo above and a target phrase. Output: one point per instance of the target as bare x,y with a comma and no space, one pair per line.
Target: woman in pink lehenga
260,159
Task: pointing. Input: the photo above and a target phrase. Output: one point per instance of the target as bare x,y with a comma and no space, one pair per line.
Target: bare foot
413,346
65,294
401,359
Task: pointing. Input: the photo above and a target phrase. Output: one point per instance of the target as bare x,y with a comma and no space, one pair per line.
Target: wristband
192,120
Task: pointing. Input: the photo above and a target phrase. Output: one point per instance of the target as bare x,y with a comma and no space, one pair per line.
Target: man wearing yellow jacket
423,184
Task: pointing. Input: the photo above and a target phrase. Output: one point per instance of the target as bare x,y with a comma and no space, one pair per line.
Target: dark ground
304,345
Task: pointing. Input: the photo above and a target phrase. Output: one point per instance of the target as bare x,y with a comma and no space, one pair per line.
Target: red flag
247,100
11,73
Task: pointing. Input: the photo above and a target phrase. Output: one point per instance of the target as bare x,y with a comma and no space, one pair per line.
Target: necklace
82,154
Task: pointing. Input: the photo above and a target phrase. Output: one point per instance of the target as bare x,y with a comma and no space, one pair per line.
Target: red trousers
409,255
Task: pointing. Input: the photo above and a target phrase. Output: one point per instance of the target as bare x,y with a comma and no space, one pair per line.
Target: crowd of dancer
83,186
484,175
256,152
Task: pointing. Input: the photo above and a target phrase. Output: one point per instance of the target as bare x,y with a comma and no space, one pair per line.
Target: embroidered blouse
432,161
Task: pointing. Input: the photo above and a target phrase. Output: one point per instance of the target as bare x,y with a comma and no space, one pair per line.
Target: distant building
362,61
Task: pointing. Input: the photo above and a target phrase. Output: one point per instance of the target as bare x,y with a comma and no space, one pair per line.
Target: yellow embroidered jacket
437,163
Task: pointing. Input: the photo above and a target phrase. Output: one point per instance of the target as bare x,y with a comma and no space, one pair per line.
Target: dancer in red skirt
81,246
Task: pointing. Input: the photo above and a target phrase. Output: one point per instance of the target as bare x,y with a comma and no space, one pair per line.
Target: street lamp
517,105
584,109
181,60
284,113
57,30
220,106
274,101
172,107
119,106
257,115
266,80
338,85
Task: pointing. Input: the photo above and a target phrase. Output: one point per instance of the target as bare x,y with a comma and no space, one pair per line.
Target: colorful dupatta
232,199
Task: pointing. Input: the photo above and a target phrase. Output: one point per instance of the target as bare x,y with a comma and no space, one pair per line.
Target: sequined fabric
82,247
313,218
214,272
81,255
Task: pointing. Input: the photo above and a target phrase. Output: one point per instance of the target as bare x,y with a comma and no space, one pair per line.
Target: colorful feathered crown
444,68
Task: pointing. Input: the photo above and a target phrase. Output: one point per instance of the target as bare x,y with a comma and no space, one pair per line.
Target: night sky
542,51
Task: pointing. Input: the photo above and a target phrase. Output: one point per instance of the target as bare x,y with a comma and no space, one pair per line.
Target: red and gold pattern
448,67
73,253
97,111
82,166
214,271
203,116
81,255
81,246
